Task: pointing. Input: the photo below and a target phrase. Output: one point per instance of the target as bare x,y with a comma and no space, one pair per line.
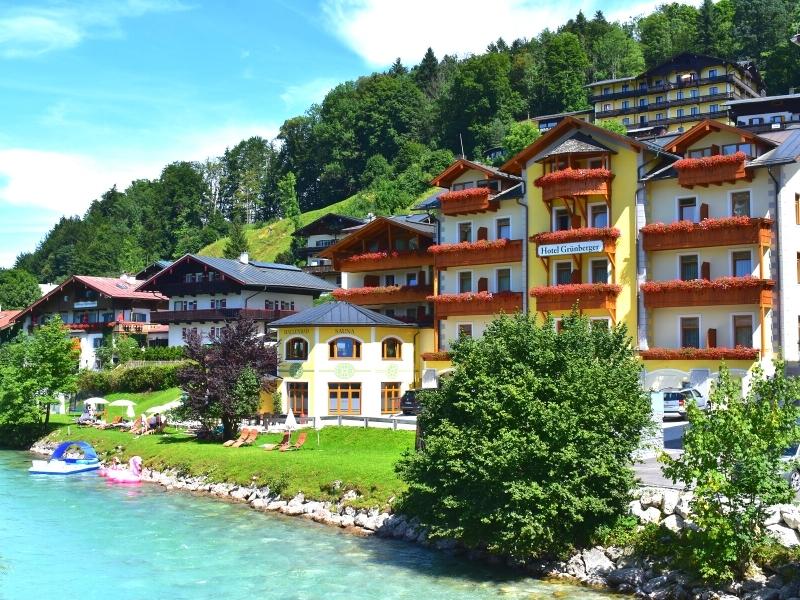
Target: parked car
676,401
791,456
409,404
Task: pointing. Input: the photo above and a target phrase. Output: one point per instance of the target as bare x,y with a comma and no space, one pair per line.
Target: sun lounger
301,439
242,435
137,427
247,434
114,423
250,439
284,442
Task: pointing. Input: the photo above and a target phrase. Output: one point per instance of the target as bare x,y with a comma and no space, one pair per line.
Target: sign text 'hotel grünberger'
570,248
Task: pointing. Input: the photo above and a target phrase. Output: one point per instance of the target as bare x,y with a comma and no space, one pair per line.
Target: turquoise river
81,537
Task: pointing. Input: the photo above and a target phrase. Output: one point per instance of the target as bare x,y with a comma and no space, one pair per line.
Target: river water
80,537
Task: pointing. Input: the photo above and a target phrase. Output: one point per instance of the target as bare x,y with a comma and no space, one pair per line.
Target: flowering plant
343,294
468,194
704,225
581,234
441,355
709,162
720,283
572,175
468,246
575,289
370,256
737,353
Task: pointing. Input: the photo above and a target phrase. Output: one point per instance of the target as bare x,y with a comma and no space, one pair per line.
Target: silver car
791,456
676,401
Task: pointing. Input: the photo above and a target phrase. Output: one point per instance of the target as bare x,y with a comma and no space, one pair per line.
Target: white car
677,400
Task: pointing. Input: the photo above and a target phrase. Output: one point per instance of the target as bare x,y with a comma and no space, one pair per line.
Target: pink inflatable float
133,474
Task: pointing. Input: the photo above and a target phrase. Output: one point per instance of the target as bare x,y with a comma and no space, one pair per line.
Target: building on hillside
547,122
676,94
479,251
318,235
342,359
152,269
769,113
205,293
95,307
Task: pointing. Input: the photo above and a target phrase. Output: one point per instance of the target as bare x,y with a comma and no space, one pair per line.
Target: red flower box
721,283
703,292
716,169
587,295
476,303
468,246
466,201
574,182
393,294
431,356
572,289
728,231
476,253
709,162
371,261
582,234
737,353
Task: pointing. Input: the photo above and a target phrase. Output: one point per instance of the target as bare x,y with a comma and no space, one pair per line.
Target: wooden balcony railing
569,183
482,252
585,295
393,294
731,231
718,169
217,314
138,327
702,292
382,260
477,303
738,353
464,202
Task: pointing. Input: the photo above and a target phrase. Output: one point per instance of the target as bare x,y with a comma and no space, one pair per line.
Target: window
712,72
97,342
465,330
411,278
776,119
344,398
463,186
503,280
695,110
600,323
742,263
286,304
626,121
642,101
389,280
563,273
713,108
713,90
606,106
658,82
135,317
390,397
464,282
740,204
344,347
688,267
659,116
734,148
215,333
503,228
391,349
606,91
756,121
218,303
642,85
743,330
679,95
690,332
465,232
297,393
643,120
659,99
492,184
599,270
687,209
186,331
625,87
679,112
296,349
598,215
560,219
626,104
411,314
694,93
699,152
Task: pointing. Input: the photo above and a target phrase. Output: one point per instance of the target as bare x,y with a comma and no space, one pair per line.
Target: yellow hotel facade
692,242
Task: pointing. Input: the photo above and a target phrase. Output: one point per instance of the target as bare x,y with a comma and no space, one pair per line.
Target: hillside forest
381,138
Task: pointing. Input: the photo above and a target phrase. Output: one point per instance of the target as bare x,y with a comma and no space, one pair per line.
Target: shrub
732,459
527,445
136,379
163,353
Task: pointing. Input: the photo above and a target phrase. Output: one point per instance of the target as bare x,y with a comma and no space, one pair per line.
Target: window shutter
703,211
576,221
371,280
714,149
576,276
711,338
483,284
421,278
483,233
705,271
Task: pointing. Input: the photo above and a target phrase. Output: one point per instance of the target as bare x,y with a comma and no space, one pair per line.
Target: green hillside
270,240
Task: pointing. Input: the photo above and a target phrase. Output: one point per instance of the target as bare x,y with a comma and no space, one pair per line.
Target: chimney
244,258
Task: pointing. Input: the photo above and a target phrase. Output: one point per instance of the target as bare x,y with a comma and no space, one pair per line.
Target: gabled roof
409,222
457,167
702,129
579,144
256,274
787,152
339,314
329,220
516,163
7,318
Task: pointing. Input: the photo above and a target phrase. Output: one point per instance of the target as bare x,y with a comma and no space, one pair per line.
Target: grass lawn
363,459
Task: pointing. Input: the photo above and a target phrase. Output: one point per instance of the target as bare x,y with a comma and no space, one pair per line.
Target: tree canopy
18,289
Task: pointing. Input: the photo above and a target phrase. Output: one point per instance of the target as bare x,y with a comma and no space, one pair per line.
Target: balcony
217,314
717,169
138,327
469,201
477,303
704,292
569,183
393,294
586,295
652,106
738,353
94,327
670,85
607,235
437,356
384,261
733,231
482,252
319,269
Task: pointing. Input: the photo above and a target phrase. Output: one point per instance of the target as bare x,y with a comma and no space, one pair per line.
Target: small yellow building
341,359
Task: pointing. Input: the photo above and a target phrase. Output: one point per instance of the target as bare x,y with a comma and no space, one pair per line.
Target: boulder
632,577
346,521
791,516
596,563
763,594
652,497
576,567
361,519
785,536
276,504
773,515
258,504
670,501
292,509
674,523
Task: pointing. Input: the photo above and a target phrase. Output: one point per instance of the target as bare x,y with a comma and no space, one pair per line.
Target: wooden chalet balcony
477,303
737,353
482,252
710,170
570,183
703,292
556,298
731,231
394,294
94,327
217,314
138,327
380,261
441,355
319,269
465,202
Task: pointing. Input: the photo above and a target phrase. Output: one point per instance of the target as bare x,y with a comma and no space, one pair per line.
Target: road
648,471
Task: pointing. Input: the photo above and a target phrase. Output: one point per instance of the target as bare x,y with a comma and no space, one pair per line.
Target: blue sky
95,93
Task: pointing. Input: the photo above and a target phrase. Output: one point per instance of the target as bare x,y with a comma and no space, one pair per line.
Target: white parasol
171,405
291,423
95,401
127,403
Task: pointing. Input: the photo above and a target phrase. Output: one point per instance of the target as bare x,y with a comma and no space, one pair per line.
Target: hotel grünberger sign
570,248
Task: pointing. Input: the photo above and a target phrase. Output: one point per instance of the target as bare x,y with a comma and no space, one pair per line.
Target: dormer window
748,149
464,185
492,184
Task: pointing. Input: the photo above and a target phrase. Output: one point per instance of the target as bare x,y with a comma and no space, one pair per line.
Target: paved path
648,471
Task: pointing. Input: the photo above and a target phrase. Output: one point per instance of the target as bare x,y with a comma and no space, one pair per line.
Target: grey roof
266,274
594,83
562,114
663,140
578,143
762,99
431,201
339,313
412,222
787,152
516,191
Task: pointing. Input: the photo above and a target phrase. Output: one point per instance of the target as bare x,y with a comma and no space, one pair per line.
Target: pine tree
287,194
397,69
237,243
426,74
707,35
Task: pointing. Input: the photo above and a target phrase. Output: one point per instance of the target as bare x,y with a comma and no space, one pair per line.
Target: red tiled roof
118,288
6,317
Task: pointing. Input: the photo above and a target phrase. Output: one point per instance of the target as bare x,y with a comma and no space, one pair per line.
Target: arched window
392,349
345,347
296,349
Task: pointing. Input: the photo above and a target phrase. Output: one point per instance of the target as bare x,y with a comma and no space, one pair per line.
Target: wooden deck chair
250,439
242,434
301,439
114,423
284,442
247,433
136,428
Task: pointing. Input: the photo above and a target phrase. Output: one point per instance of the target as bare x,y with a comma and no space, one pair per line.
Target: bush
136,379
163,353
527,446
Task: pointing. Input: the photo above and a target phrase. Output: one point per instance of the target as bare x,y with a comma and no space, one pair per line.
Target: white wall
788,284
665,264
448,279
508,208
666,324
449,328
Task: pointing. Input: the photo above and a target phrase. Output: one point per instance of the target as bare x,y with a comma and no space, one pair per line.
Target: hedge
162,353
136,379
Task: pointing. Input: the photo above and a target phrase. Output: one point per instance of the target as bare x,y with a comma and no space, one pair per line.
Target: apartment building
318,235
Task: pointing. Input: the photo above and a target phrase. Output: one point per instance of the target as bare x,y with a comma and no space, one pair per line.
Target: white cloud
307,93
48,26
380,31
